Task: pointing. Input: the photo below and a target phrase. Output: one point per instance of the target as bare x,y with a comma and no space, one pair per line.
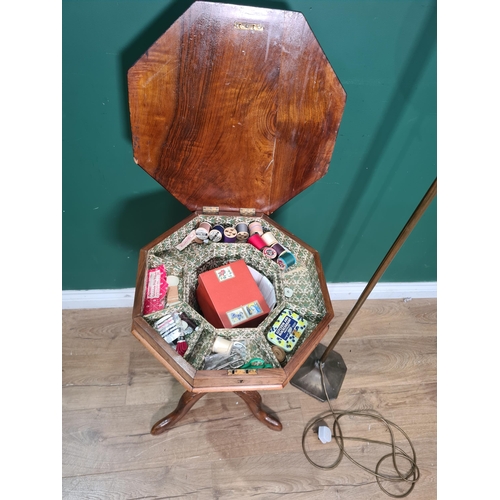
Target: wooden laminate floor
114,390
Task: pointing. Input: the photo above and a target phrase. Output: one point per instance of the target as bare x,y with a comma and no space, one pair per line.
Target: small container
287,329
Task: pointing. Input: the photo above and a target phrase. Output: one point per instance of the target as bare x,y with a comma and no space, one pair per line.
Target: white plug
324,434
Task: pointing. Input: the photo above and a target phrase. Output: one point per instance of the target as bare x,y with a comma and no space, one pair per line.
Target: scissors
256,363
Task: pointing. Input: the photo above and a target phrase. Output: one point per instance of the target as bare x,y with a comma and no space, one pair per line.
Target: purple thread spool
230,235
278,248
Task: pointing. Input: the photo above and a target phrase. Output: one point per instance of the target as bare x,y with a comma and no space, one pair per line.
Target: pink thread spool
255,227
257,241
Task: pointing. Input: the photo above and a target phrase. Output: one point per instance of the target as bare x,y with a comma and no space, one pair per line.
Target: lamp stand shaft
412,221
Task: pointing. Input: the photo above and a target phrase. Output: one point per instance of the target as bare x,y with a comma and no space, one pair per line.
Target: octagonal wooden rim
198,381
252,131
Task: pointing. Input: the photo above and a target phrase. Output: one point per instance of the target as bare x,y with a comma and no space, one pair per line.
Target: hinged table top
235,107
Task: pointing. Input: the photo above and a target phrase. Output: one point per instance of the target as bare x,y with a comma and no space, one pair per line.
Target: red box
229,297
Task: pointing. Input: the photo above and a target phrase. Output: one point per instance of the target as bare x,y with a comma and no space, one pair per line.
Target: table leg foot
254,401
187,401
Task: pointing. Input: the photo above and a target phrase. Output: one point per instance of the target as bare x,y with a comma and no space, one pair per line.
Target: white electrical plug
324,434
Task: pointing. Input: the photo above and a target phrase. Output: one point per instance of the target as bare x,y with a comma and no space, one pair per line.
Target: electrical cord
410,477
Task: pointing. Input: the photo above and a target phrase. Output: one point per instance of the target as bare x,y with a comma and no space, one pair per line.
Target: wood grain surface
114,391
231,117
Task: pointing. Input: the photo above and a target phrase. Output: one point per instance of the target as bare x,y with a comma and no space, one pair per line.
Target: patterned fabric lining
302,278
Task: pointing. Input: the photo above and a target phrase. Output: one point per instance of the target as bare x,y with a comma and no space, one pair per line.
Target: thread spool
269,239
216,234
286,259
279,353
256,241
230,235
202,230
269,252
222,346
242,232
255,227
278,248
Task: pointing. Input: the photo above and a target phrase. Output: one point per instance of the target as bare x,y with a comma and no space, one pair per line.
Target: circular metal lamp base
308,377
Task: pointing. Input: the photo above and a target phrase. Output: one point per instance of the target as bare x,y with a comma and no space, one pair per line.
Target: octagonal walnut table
234,110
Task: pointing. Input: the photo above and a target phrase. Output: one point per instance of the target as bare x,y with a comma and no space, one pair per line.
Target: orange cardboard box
229,297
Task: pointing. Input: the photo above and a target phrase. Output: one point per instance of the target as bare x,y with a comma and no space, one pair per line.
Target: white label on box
252,309
154,284
236,316
224,273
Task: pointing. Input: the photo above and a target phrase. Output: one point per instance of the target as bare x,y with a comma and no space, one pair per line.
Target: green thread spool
286,260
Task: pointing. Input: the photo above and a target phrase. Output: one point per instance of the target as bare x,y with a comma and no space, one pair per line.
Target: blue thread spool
216,234
286,259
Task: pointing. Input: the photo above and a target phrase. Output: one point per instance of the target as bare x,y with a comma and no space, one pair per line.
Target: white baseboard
411,290
98,299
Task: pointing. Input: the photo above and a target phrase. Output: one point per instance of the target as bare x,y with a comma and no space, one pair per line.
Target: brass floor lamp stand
308,377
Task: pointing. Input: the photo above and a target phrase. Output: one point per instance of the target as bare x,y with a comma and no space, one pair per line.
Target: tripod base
252,398
308,377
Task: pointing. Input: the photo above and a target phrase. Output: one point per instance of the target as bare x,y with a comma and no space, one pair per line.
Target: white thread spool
222,346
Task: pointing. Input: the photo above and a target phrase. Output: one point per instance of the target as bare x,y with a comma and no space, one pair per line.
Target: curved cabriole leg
254,401
188,399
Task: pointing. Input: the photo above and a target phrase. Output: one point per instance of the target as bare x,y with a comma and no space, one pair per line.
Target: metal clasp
242,372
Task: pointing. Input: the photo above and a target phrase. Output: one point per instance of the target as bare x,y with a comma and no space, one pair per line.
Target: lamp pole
324,369
412,222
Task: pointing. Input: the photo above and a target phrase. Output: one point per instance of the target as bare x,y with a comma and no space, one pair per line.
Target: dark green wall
384,53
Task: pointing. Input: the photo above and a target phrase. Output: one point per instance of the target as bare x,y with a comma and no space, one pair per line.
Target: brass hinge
210,210
249,371
247,212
